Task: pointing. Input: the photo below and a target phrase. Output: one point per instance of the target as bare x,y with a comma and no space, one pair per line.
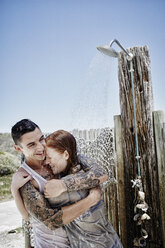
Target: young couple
58,191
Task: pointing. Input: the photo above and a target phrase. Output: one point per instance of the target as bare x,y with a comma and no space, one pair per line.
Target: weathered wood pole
120,180
159,129
149,172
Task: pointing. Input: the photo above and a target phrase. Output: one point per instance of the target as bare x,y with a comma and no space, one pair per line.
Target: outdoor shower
137,183
108,50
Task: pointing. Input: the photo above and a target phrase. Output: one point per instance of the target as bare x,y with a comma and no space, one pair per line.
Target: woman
91,229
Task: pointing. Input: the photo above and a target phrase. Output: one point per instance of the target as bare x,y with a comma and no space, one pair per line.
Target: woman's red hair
64,141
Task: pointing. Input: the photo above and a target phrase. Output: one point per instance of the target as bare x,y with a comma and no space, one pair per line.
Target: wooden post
84,134
120,180
149,172
26,229
111,204
27,241
91,134
158,119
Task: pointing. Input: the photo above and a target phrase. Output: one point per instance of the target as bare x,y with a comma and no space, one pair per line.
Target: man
30,141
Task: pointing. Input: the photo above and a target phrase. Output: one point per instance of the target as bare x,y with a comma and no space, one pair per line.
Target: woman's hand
19,179
54,188
95,194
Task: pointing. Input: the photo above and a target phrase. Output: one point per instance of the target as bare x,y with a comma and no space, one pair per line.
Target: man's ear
66,154
18,148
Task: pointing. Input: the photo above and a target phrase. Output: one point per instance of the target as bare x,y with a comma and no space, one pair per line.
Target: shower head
108,50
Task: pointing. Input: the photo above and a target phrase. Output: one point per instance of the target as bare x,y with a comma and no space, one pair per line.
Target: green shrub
5,188
9,163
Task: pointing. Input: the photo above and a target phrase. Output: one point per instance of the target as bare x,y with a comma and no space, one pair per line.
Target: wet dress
90,230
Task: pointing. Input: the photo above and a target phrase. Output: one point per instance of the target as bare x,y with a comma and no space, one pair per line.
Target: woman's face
56,160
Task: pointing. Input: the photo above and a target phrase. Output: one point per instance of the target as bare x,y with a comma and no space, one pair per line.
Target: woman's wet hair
22,127
63,141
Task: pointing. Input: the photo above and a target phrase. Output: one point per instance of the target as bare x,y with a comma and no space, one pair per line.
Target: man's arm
91,176
39,208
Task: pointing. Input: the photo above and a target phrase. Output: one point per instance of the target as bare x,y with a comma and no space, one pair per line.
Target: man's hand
95,194
19,179
54,188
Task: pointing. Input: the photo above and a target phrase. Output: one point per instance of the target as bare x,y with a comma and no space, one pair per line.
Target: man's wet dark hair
22,127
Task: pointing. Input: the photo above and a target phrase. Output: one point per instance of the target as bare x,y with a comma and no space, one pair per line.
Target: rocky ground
11,235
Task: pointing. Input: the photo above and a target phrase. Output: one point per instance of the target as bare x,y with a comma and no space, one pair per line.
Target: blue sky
50,70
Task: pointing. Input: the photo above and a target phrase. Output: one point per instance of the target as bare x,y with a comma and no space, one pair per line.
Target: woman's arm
39,208
91,176
75,210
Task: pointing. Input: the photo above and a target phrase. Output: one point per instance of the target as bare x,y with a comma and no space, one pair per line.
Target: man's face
32,145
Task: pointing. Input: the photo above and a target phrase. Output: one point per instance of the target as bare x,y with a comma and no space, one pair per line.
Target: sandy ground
10,220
